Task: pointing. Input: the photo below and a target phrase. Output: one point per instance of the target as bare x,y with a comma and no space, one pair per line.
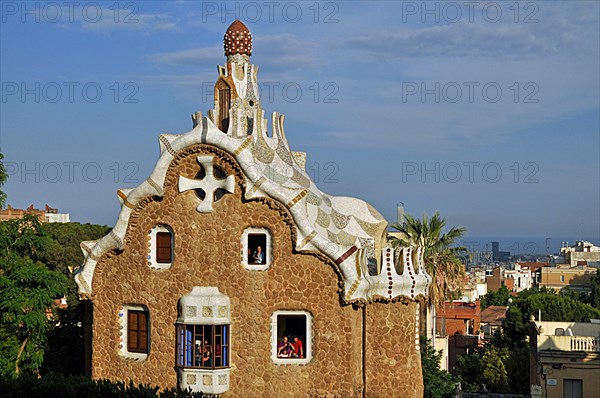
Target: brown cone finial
238,39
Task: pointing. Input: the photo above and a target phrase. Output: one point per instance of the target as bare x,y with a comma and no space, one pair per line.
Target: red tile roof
494,314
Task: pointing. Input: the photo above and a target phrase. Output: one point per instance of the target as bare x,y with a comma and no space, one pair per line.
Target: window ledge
295,361
132,356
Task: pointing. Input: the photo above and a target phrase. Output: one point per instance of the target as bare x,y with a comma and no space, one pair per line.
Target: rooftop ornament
237,39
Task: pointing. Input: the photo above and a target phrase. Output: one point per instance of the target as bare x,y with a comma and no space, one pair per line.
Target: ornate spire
238,39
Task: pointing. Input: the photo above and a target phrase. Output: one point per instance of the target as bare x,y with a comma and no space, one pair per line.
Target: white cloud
194,56
557,57
159,22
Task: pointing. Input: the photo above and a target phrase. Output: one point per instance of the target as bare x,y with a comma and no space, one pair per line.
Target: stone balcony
569,343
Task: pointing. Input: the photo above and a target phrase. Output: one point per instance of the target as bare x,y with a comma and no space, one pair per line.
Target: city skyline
487,114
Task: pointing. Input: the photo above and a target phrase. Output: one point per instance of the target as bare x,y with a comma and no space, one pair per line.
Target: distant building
473,291
495,279
520,277
481,289
498,255
577,278
495,247
564,359
49,214
515,280
582,253
478,258
492,318
459,322
535,270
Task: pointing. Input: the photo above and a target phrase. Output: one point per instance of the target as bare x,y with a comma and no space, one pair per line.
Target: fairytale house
229,272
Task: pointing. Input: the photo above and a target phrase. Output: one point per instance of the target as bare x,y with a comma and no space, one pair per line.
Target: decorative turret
237,111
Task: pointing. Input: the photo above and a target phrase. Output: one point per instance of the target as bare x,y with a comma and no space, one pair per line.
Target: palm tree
441,259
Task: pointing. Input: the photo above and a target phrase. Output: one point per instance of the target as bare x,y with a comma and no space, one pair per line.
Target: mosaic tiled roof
347,230
238,39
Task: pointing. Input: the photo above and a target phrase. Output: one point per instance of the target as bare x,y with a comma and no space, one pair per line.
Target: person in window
298,350
198,353
285,348
258,257
207,356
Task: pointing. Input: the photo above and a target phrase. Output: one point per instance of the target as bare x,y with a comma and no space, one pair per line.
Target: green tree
27,290
65,353
3,178
441,261
494,375
468,369
491,366
437,383
553,306
63,252
499,297
517,367
595,294
503,363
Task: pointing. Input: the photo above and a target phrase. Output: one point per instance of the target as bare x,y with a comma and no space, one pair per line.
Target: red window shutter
163,247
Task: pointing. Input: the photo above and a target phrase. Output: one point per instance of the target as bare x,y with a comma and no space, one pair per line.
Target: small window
291,337
256,249
135,332
161,244
203,346
562,278
257,245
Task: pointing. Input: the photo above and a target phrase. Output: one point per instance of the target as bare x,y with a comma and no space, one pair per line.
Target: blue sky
485,111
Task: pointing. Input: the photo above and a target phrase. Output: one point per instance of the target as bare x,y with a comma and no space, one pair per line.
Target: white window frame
152,263
306,344
244,249
123,319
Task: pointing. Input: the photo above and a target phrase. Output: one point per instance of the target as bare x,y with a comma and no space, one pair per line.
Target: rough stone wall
393,364
207,253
